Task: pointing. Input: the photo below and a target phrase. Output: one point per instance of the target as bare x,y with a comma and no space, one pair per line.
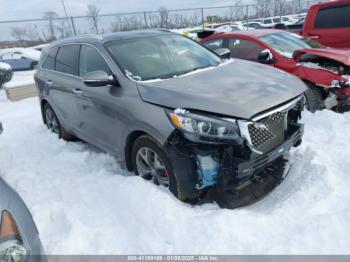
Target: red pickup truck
326,23
329,24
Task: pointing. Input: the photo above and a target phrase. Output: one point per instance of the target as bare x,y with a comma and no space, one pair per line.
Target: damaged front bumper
244,175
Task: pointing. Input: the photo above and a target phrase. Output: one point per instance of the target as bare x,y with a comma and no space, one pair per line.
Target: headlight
11,244
205,128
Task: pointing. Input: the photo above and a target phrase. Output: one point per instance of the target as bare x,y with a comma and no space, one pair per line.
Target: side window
66,60
333,17
214,44
49,62
91,60
244,49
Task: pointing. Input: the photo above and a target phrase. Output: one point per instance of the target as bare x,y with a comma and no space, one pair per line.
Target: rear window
49,62
67,59
244,49
214,44
333,17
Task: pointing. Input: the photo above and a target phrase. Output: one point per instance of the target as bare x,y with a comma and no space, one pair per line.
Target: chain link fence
36,31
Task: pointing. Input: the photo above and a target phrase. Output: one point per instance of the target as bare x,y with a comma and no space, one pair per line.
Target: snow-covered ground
84,203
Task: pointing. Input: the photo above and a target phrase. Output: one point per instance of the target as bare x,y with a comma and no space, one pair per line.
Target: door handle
49,83
77,91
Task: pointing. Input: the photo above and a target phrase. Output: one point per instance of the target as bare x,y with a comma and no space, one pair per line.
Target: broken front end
332,76
231,161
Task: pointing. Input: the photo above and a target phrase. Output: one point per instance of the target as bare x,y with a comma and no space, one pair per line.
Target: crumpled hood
340,55
240,89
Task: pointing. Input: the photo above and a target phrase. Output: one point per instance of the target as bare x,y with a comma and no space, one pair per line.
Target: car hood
239,88
340,55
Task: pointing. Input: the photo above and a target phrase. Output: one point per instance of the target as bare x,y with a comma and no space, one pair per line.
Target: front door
97,106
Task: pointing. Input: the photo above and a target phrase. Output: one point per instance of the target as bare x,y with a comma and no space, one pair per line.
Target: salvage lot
83,202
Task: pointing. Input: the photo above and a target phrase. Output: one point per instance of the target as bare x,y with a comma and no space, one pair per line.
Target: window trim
79,43
103,57
59,48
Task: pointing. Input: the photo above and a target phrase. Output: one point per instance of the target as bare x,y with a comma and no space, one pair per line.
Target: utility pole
66,14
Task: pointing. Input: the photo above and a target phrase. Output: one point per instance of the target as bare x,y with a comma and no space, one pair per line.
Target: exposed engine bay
318,62
242,172
337,91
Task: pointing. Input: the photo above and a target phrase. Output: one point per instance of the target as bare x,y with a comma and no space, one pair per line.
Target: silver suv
174,112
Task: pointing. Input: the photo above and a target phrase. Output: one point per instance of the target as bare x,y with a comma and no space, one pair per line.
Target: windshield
160,57
285,43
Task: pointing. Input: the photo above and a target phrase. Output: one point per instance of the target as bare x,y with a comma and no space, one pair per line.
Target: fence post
203,21
145,16
73,25
247,15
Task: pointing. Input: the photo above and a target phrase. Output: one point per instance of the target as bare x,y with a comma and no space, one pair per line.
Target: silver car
19,237
175,112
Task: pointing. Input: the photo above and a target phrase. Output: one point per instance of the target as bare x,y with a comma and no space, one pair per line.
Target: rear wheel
150,161
314,98
54,125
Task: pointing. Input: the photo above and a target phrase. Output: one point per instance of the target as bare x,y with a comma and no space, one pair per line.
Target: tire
165,178
54,125
34,66
314,99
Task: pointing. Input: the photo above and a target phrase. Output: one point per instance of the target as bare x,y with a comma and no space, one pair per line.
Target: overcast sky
22,9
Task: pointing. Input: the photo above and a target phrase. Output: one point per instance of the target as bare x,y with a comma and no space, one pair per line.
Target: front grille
268,133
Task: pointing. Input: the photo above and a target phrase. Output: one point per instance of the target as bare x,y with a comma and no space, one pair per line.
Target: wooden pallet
21,92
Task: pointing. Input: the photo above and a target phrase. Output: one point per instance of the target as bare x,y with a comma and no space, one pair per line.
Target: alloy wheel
51,121
151,167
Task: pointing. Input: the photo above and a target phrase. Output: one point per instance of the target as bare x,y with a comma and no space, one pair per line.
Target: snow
311,65
84,202
4,66
9,53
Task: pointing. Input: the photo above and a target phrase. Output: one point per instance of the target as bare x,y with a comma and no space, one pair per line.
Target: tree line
60,27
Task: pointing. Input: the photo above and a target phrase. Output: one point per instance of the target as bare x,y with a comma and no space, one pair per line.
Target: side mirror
224,53
99,78
266,57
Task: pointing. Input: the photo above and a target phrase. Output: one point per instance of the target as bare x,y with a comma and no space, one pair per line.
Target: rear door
330,26
62,84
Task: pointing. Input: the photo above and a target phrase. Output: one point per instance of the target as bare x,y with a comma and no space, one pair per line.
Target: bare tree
50,16
63,28
236,12
93,12
280,7
18,33
164,16
264,7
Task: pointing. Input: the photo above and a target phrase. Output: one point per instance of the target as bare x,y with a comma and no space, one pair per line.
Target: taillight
11,244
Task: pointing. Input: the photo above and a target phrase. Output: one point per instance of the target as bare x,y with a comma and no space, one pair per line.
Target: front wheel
150,161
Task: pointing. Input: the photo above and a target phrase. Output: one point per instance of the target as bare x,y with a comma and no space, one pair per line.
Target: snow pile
9,53
84,203
4,66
